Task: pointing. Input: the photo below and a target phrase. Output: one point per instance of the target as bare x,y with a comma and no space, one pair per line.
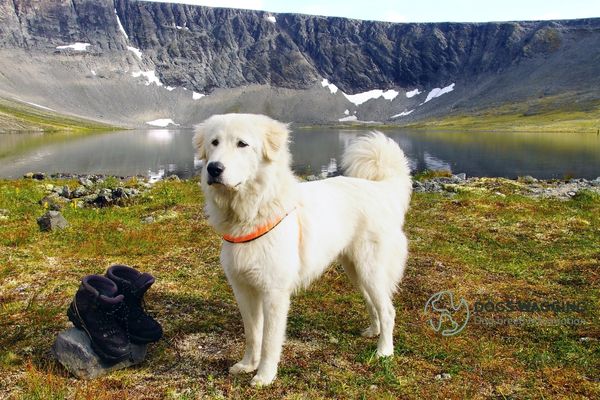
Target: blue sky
422,10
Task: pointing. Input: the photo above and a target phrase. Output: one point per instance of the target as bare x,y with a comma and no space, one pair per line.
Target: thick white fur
356,219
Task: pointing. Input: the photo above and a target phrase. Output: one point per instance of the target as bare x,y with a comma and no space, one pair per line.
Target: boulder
84,181
79,191
51,221
73,350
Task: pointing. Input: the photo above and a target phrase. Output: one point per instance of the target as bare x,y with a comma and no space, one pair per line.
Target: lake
162,152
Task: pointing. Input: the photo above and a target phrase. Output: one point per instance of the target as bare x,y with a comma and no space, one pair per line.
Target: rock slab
73,350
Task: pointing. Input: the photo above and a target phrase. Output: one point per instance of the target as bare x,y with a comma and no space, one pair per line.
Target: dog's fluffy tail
377,158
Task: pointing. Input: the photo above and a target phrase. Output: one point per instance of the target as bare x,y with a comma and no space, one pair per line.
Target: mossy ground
16,116
479,244
548,114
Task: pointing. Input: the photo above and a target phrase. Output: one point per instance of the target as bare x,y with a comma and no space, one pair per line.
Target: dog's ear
276,139
199,141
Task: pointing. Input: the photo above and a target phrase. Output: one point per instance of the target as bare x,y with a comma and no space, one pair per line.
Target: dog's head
235,147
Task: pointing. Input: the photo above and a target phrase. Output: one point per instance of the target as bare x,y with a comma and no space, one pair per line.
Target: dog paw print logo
446,316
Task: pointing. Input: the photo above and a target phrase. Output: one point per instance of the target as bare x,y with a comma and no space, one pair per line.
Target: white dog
280,234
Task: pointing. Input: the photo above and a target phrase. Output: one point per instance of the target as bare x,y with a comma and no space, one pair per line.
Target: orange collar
260,231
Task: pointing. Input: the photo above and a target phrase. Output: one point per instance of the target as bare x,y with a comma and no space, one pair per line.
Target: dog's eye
215,142
241,143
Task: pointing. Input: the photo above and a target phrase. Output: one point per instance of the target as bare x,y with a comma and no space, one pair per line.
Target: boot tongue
142,283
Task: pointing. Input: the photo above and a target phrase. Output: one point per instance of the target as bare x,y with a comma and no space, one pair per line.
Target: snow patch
346,112
75,46
437,92
169,88
121,25
402,114
348,118
389,94
150,77
162,122
360,98
197,96
37,105
413,93
332,88
135,51
271,19
93,72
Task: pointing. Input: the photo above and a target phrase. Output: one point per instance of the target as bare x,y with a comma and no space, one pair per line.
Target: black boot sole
80,324
139,340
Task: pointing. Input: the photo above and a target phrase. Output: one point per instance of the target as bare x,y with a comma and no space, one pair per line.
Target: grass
16,116
548,114
478,244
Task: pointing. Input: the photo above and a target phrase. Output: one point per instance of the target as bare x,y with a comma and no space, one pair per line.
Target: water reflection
162,152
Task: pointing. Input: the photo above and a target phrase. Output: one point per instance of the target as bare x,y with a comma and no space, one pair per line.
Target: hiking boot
94,310
140,326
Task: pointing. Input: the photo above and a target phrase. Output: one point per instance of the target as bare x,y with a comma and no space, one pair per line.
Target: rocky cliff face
204,49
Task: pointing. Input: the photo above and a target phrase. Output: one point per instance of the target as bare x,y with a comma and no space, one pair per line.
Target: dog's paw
241,368
371,331
385,352
262,380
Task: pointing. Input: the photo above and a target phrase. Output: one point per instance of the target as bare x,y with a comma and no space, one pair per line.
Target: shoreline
92,186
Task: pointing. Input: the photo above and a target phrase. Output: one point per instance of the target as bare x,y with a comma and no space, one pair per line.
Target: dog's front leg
275,309
250,304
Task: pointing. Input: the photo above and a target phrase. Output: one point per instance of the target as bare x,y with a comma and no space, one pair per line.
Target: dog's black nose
215,169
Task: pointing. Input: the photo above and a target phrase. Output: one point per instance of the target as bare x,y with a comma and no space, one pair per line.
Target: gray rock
173,178
52,220
84,181
461,177
148,220
4,214
595,182
40,176
442,377
89,199
28,175
79,191
74,351
65,192
528,179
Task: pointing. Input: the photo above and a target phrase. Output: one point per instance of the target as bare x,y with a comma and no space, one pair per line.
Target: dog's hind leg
371,274
373,329
250,305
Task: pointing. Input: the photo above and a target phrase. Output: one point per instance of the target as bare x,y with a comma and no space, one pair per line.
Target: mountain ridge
209,50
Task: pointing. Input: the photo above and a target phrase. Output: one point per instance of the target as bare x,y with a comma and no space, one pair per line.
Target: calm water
161,152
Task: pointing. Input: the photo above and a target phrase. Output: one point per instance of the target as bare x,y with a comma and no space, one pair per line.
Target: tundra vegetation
489,243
